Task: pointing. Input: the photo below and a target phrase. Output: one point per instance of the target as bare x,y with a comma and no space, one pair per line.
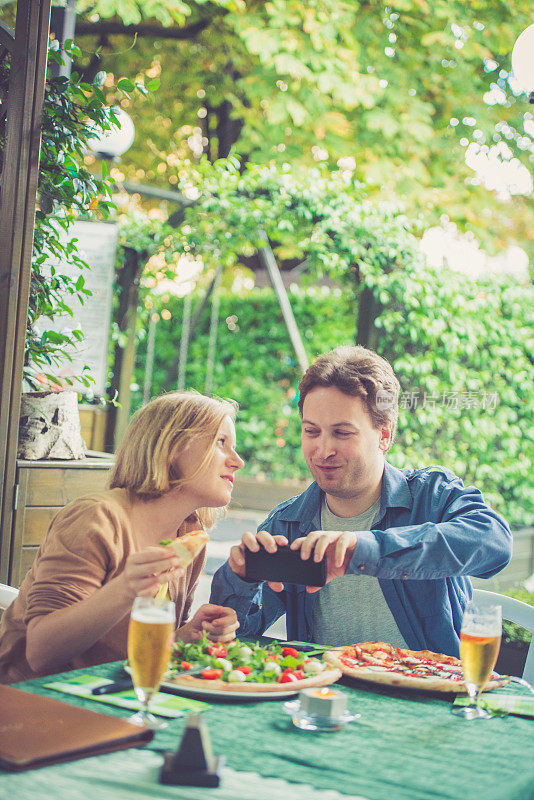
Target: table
406,746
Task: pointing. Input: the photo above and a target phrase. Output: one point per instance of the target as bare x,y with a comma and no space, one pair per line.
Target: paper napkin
162,704
520,705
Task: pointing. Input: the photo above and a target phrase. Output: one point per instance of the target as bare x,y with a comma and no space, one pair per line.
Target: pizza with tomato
379,662
246,667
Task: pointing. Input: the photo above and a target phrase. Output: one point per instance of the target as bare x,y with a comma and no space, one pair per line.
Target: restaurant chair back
7,595
514,611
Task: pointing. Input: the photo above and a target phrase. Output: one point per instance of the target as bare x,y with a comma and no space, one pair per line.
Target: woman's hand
337,546
252,541
55,638
146,571
218,622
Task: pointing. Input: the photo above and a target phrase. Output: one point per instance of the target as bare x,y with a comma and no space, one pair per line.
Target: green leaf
100,78
142,88
125,85
99,95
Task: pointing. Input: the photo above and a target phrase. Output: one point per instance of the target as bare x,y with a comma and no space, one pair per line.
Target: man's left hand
337,546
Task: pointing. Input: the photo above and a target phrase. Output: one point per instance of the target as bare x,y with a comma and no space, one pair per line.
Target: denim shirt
431,533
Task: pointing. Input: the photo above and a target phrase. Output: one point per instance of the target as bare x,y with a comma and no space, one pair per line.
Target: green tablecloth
406,746
133,775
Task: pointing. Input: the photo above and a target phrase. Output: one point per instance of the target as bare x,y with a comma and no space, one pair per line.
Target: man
399,543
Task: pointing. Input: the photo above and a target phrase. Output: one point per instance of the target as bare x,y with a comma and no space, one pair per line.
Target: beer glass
480,640
150,640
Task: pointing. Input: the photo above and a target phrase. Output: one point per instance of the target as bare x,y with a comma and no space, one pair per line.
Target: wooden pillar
26,49
124,352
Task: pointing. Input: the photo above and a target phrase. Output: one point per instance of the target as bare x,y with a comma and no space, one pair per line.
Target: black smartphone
285,566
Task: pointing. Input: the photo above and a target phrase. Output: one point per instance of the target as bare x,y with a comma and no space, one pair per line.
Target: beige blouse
86,546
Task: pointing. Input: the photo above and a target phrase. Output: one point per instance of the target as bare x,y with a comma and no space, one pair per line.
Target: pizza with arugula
188,546
379,662
247,667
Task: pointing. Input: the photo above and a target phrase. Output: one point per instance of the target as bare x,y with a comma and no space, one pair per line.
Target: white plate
217,694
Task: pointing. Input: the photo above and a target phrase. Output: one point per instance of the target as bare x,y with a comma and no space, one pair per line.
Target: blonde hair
165,426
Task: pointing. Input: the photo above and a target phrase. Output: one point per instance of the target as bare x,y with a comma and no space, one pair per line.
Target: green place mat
521,705
406,745
162,704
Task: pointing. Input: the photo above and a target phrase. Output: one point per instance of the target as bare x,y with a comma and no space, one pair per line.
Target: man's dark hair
357,372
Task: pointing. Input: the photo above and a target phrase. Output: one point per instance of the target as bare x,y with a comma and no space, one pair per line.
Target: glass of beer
480,640
150,641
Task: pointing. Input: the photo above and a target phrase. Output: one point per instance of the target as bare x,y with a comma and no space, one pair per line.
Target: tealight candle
324,702
322,709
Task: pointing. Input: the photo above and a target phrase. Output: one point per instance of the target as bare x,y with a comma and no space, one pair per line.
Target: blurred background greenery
346,132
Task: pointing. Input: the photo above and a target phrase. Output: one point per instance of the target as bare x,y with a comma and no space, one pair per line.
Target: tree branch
95,63
106,28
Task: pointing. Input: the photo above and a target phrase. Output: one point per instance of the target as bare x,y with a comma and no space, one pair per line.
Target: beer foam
153,615
473,628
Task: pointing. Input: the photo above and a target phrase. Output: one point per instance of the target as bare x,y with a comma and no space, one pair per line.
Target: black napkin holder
194,763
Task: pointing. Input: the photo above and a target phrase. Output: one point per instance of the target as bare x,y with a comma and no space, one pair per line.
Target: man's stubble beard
348,487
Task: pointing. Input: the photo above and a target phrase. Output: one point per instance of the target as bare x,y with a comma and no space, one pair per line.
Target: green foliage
167,12
73,111
255,365
148,235
462,350
520,593
66,189
511,631
398,90
157,246
306,213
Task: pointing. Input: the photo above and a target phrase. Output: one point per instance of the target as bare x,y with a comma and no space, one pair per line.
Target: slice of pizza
188,546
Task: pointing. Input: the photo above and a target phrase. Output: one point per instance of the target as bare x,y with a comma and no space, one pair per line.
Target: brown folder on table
36,731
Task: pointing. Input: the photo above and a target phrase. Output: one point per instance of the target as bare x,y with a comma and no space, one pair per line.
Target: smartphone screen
284,566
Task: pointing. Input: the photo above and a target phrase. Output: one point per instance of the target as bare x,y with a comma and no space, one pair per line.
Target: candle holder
194,764
320,709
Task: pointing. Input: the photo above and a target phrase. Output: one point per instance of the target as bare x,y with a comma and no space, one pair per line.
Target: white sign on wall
97,245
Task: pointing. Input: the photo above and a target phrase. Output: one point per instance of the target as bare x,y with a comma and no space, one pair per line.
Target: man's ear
384,442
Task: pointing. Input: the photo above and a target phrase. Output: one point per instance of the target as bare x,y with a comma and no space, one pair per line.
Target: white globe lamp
523,61
113,143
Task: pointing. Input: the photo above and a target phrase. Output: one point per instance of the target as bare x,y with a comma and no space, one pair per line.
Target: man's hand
218,622
252,541
337,546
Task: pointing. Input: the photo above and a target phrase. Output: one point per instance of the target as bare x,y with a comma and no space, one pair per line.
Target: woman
174,468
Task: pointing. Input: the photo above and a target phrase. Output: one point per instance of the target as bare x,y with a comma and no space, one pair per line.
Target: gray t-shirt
352,608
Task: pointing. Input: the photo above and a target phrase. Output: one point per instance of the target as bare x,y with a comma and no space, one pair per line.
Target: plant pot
50,426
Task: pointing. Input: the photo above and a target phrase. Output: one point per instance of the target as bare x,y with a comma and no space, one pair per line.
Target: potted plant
73,112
